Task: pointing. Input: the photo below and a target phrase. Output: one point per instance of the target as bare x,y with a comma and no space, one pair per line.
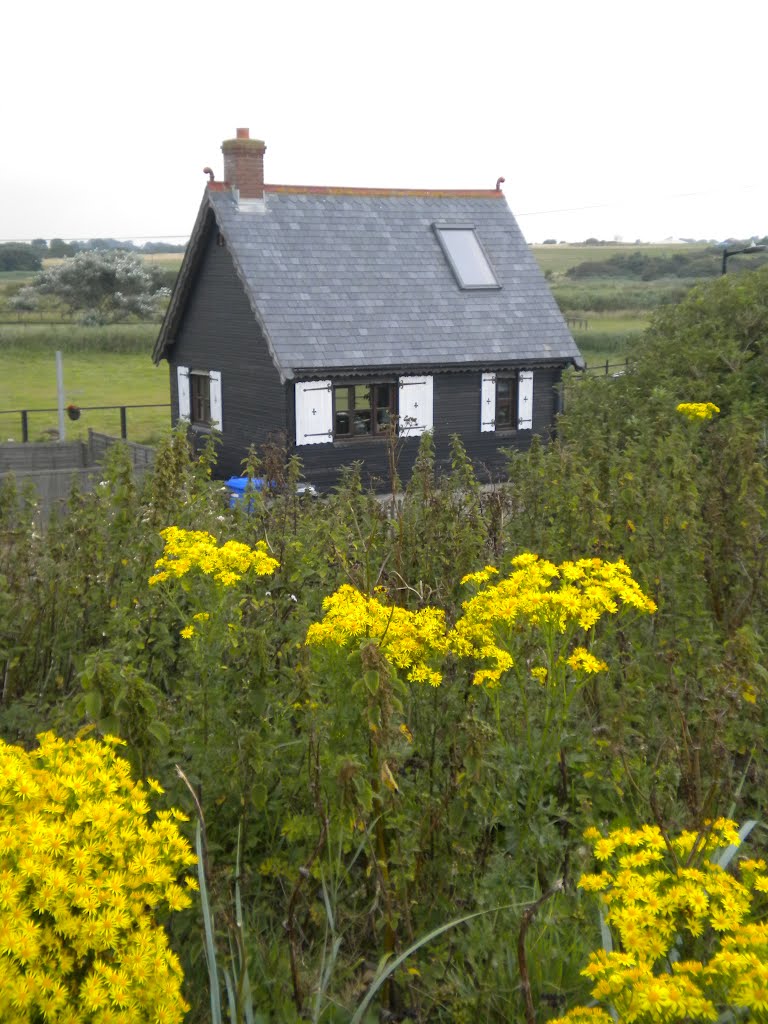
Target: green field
559,258
91,378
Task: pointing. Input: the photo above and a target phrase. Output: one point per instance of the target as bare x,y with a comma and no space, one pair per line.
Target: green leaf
160,731
110,725
259,796
93,703
386,968
371,680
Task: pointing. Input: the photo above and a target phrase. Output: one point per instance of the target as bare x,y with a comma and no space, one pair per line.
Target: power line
636,200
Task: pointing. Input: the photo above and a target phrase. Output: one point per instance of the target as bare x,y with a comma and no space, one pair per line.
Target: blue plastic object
237,486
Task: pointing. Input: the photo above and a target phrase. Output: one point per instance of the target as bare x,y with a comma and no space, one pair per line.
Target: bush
103,287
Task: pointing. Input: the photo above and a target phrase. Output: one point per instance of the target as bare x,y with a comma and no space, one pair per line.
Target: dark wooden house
328,315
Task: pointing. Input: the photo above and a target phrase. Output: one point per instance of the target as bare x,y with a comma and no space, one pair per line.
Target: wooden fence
53,468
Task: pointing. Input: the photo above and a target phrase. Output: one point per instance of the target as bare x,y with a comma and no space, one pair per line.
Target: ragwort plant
87,875
692,943
521,643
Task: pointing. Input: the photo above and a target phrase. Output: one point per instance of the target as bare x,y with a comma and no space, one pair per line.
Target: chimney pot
242,133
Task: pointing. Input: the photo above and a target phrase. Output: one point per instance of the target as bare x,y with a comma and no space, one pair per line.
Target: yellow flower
72,888
697,410
582,660
409,640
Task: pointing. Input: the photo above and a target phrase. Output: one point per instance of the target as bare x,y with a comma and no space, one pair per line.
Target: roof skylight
465,256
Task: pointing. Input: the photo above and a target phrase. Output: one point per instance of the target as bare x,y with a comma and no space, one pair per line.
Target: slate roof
355,279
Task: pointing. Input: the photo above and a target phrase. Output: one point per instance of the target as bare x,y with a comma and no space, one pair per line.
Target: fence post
606,367
123,424
24,426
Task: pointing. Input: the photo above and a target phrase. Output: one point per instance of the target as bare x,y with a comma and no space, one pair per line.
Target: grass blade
388,967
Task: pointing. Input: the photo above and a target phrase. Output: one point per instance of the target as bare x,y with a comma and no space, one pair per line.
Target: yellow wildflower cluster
188,550
697,410
663,895
82,869
407,639
539,593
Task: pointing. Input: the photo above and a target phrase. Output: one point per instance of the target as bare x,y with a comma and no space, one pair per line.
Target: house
332,316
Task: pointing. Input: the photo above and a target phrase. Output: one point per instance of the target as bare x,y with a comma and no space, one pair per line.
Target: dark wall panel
456,411
219,332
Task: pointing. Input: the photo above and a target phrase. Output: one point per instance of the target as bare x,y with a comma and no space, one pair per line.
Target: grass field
91,378
559,258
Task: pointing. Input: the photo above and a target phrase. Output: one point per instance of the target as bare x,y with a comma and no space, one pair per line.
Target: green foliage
102,286
15,256
646,266
351,813
613,296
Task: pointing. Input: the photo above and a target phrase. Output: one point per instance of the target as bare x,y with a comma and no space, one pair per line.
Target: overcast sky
643,120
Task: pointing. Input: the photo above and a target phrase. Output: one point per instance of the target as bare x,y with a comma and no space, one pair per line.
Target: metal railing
608,369
25,413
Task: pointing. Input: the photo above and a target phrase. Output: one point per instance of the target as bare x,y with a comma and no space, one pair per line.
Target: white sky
646,119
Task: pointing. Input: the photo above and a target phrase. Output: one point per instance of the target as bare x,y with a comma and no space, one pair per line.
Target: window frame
193,409
196,377
439,229
377,430
512,402
519,402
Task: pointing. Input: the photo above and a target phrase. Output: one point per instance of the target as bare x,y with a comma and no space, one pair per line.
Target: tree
103,287
59,248
18,256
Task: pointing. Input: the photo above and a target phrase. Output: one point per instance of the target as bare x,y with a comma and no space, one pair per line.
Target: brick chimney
244,164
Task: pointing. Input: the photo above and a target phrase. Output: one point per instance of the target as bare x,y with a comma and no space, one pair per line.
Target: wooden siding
218,331
456,411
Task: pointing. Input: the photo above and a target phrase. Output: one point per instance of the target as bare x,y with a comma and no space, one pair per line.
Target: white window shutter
314,412
415,405
215,392
182,378
525,400
488,402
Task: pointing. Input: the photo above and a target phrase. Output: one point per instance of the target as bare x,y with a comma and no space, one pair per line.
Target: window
465,256
327,412
363,409
200,397
506,401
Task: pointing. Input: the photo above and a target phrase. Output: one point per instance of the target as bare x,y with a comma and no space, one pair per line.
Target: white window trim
216,410
488,403
185,405
183,374
415,405
524,401
314,412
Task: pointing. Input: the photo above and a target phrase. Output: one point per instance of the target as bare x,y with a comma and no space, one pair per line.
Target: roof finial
499,183
209,172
